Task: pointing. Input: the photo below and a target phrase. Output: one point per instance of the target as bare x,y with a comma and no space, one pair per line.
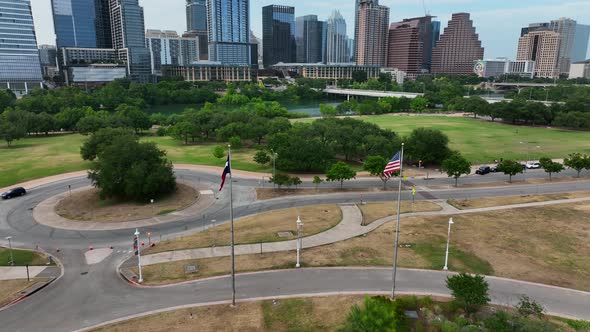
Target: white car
533,165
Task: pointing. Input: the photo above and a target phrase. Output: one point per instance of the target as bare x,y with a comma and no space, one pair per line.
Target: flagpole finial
229,146
403,144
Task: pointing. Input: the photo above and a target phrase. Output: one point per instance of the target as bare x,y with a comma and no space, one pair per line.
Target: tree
550,166
419,104
185,131
235,142
262,158
90,124
340,171
102,139
281,179
428,145
578,162
219,152
456,165
471,292
510,168
137,119
328,111
7,99
8,131
317,181
129,170
527,307
359,76
378,314
375,165
296,181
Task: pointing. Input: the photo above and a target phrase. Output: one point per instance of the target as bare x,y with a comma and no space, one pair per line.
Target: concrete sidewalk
20,272
348,228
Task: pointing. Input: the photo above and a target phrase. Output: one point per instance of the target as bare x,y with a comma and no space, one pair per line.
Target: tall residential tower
228,23
278,35
372,21
196,25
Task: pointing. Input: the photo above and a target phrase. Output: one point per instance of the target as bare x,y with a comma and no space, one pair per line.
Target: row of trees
573,114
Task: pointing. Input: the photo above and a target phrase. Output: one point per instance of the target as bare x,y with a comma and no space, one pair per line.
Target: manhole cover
84,273
285,234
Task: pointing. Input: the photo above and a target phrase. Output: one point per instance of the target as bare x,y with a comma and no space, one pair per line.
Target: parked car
14,192
483,170
533,165
494,169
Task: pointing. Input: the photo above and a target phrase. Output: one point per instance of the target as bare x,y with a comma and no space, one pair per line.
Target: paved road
88,295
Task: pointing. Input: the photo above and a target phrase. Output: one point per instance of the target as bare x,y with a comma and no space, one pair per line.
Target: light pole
9,238
274,167
299,244
446,268
138,255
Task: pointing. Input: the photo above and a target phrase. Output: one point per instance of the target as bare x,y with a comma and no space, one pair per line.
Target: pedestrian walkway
20,272
349,227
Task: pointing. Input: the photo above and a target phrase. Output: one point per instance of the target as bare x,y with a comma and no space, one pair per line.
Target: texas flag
226,171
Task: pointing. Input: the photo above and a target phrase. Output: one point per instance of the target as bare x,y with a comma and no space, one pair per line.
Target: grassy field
37,157
466,204
483,142
309,314
21,257
550,240
260,228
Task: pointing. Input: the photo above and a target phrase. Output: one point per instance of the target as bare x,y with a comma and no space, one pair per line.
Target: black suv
14,192
483,170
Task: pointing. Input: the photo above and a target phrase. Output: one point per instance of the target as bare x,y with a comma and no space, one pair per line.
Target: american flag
393,166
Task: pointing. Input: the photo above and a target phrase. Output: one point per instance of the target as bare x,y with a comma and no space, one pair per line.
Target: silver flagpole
399,203
231,214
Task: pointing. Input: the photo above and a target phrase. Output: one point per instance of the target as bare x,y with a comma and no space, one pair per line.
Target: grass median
260,228
10,290
467,204
542,244
22,257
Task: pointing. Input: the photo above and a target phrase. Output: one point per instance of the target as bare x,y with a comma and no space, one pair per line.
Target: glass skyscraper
196,15
20,68
278,35
81,23
310,39
228,23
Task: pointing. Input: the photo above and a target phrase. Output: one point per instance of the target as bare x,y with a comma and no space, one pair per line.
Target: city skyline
498,39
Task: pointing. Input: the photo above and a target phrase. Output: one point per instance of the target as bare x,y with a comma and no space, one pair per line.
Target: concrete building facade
371,33
410,45
541,46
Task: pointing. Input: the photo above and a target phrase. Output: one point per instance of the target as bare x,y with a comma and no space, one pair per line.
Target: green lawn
483,142
21,257
37,157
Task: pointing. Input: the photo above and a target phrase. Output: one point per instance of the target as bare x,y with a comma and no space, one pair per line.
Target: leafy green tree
219,152
129,170
359,76
102,139
510,168
328,111
185,131
527,307
375,165
296,181
262,158
378,314
7,99
578,162
471,292
90,124
340,171
137,119
419,104
44,123
455,166
428,145
235,142
475,105
8,131
550,166
68,118
281,179
317,181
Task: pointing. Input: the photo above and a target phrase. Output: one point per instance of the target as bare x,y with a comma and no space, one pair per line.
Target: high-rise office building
128,28
20,67
459,46
541,46
336,39
310,39
278,35
196,25
81,23
228,24
435,32
567,30
410,45
372,22
580,48
48,59
534,27
168,48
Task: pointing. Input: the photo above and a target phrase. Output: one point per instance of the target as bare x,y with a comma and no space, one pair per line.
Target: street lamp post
214,231
448,242
299,244
274,163
138,256
9,238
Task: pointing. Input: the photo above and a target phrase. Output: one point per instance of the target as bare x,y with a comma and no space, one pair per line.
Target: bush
469,291
527,307
161,132
378,314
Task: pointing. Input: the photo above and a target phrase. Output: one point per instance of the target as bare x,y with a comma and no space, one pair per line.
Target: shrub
527,307
469,291
161,131
378,314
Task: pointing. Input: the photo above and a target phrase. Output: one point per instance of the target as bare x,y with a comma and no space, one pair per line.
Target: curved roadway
88,295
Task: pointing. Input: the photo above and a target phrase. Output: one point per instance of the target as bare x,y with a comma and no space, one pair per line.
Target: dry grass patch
260,228
375,211
547,244
467,204
515,181
10,289
308,314
87,206
270,193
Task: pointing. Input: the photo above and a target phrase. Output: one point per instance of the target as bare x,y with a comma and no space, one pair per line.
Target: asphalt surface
88,295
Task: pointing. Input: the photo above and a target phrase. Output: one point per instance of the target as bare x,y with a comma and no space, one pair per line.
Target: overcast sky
498,22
